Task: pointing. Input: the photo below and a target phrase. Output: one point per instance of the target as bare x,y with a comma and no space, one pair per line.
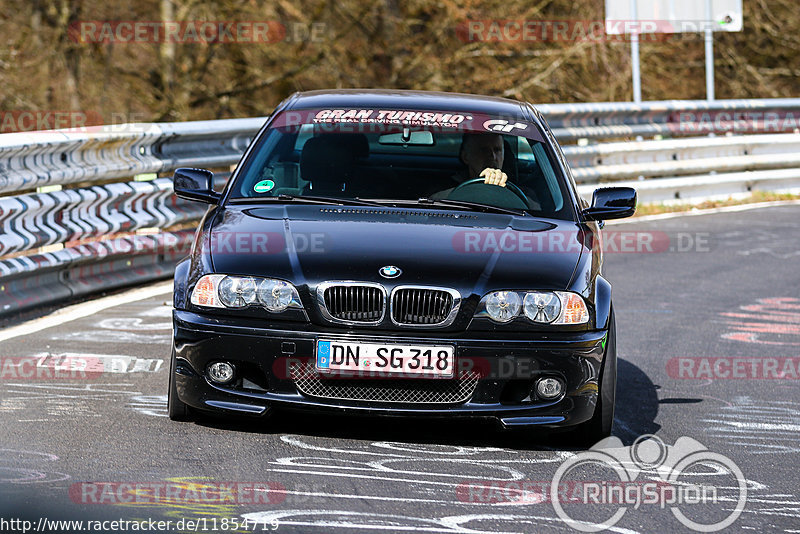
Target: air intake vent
360,303
405,391
424,306
401,213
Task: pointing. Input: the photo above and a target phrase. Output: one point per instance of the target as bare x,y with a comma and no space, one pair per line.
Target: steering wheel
500,194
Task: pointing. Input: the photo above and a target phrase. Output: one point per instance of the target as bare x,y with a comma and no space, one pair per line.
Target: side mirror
611,203
195,184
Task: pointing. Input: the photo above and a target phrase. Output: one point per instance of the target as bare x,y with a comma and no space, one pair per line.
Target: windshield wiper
450,203
311,199
473,205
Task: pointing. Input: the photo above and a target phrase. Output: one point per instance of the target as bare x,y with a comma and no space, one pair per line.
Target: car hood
471,252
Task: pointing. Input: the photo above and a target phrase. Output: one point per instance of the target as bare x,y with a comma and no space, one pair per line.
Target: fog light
220,372
549,388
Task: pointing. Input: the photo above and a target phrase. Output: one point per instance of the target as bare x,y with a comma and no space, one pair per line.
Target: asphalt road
724,288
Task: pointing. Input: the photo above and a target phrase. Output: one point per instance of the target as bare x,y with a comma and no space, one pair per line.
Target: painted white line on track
84,309
710,211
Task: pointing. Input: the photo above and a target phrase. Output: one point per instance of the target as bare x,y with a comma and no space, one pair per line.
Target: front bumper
510,366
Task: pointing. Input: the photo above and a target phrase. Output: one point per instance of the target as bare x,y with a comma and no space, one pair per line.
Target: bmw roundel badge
390,271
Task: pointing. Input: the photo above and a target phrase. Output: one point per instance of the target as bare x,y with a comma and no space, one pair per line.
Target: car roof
404,99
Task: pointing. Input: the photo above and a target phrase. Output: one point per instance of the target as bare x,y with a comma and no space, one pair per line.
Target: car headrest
327,160
355,143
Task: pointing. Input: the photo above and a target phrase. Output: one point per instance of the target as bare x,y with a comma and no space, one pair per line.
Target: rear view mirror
407,137
611,203
195,184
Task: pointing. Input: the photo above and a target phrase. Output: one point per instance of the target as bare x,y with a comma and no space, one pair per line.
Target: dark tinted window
391,161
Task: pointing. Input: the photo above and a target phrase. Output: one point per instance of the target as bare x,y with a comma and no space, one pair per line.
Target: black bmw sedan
399,253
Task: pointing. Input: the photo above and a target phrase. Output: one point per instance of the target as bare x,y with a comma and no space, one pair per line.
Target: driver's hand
494,177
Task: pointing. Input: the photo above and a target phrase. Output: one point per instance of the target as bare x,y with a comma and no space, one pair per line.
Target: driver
482,154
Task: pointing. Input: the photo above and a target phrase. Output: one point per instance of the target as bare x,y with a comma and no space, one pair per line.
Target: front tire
599,426
176,408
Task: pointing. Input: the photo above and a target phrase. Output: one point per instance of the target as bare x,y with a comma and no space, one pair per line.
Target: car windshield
398,157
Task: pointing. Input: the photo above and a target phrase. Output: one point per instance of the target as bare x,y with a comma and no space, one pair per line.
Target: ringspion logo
705,491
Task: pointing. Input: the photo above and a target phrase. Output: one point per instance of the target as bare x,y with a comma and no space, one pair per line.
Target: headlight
237,292
276,295
222,291
503,306
541,306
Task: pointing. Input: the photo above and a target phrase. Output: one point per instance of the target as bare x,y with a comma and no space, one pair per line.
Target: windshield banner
387,120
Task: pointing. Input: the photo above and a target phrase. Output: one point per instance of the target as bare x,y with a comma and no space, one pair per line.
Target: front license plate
371,359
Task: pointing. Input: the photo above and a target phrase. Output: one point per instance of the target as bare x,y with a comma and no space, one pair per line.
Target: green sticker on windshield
264,186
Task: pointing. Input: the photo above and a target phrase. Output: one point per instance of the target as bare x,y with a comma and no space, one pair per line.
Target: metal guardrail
104,206
672,118
37,159
39,279
600,156
691,169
